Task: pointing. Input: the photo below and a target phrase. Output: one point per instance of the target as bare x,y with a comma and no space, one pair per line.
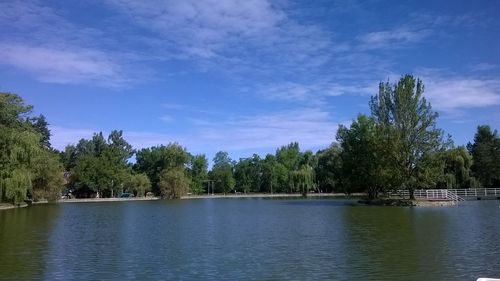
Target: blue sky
244,76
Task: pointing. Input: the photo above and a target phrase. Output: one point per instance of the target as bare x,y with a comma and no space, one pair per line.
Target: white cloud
167,119
38,39
483,67
389,39
451,95
311,127
229,31
68,66
313,93
61,137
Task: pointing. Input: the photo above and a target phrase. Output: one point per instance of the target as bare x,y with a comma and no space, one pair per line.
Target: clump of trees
397,146
99,165
29,167
485,153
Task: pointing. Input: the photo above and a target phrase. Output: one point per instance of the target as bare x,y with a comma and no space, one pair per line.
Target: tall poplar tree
408,121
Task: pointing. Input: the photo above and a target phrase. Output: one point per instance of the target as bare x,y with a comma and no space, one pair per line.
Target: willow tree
457,173
138,184
302,179
408,121
174,183
26,165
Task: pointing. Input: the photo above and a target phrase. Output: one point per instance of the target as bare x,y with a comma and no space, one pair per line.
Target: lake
258,239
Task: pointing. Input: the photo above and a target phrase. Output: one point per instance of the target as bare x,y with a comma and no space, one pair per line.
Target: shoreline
96,200
274,195
9,206
414,203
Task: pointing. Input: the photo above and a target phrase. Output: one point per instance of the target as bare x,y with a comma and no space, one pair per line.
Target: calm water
228,239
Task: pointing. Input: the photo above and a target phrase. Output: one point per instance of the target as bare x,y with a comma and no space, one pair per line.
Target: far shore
419,203
274,195
91,200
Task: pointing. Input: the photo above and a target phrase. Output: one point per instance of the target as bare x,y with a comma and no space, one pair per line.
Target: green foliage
16,186
13,111
152,161
138,184
407,119
47,177
282,175
457,173
329,169
222,172
248,174
359,156
68,157
39,123
198,170
26,164
100,166
268,179
289,156
486,155
174,183
302,180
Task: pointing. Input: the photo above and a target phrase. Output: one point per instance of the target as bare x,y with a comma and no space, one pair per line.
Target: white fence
477,192
449,194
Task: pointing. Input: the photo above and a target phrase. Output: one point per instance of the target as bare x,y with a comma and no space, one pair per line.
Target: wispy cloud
313,92
229,32
61,136
390,39
167,119
39,40
455,94
483,67
174,106
313,128
62,66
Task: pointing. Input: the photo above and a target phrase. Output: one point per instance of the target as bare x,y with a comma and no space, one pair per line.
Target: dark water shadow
311,202
24,241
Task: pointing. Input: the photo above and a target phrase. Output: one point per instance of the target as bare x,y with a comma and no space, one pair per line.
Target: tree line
397,146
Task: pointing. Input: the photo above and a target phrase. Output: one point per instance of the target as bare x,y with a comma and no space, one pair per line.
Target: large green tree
457,173
153,161
101,166
198,170
269,176
409,124
138,184
329,168
47,176
486,156
174,183
27,165
360,157
302,180
41,126
248,174
222,172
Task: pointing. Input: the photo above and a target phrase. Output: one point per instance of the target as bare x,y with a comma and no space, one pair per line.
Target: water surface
258,239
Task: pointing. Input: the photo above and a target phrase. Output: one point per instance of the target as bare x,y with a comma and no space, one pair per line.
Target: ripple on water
250,239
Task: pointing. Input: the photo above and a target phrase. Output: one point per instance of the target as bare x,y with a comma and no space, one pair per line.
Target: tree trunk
411,190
